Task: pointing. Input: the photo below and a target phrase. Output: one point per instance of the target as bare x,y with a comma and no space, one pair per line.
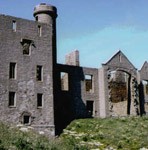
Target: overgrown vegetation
124,133
12,138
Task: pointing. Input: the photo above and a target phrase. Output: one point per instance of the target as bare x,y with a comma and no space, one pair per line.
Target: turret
45,13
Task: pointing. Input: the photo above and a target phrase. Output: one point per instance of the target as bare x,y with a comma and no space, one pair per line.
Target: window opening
40,30
36,18
145,85
39,100
89,107
26,46
64,81
39,73
26,119
14,25
12,70
12,99
88,83
147,88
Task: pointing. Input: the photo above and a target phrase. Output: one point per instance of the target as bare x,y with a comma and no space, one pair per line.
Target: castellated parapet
39,93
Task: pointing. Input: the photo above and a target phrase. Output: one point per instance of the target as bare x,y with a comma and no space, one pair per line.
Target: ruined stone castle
38,92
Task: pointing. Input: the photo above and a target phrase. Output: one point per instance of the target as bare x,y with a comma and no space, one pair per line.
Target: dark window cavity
12,99
39,73
26,47
89,107
39,100
36,18
12,70
26,119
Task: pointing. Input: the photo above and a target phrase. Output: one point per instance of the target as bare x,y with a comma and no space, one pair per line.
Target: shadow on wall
142,98
68,103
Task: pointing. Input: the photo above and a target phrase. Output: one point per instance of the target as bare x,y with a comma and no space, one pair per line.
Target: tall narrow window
146,88
64,81
12,99
39,100
40,30
14,25
88,83
39,73
12,71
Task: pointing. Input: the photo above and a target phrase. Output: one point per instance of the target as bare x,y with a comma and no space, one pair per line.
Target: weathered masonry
37,92
27,60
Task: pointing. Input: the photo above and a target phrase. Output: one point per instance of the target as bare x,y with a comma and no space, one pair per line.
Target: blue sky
98,29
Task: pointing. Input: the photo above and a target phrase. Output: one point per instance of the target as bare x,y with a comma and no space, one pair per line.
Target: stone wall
36,91
25,84
71,103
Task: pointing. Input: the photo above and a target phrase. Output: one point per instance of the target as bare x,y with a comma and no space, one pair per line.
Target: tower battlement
45,13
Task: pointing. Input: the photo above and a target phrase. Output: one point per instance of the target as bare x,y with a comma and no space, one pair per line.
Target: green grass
12,138
125,133
130,133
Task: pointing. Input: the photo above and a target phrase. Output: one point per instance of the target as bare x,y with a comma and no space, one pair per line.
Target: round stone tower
45,13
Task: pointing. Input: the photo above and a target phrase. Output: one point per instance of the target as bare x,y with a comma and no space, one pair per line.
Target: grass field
125,133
